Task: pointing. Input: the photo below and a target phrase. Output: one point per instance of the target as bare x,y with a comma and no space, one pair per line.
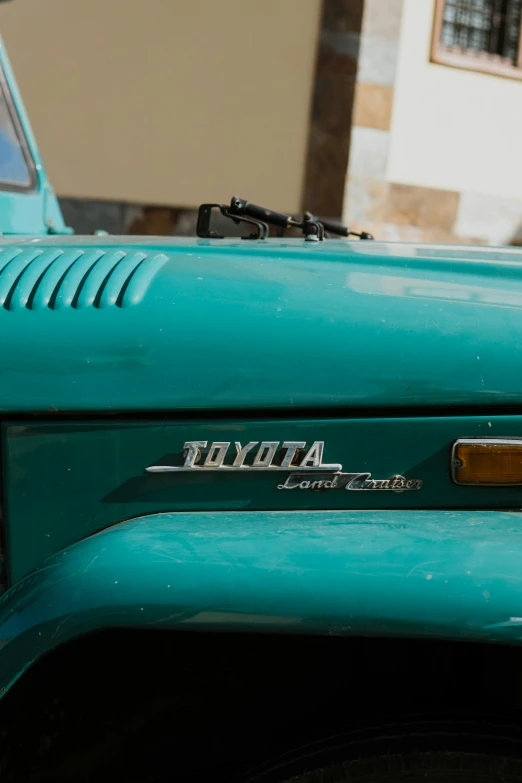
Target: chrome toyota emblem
304,464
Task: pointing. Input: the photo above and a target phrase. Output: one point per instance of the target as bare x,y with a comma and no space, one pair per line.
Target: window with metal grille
479,34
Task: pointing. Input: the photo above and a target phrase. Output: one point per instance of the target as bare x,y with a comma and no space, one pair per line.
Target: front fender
419,573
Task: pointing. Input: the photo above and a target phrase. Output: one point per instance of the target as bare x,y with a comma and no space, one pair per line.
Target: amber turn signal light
487,461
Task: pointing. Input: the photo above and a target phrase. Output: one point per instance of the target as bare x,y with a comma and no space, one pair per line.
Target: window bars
484,34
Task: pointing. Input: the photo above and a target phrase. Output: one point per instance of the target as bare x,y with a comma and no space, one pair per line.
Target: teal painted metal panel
64,481
238,326
414,573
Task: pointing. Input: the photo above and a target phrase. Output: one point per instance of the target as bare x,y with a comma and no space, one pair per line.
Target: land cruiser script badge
304,464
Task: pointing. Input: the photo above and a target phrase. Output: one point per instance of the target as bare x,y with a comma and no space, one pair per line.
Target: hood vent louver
56,278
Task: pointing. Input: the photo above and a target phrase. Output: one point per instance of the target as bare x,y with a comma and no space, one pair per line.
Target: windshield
14,170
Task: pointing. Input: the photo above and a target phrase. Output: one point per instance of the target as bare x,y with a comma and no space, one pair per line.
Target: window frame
15,187
481,62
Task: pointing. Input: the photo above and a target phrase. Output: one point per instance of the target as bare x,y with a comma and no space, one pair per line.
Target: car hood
141,324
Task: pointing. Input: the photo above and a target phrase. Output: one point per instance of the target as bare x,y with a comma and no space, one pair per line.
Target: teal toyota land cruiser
260,499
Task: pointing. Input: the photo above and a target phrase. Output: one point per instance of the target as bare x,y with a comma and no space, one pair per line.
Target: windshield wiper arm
242,211
340,230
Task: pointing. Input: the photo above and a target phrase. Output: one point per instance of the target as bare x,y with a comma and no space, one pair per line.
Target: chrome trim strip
245,468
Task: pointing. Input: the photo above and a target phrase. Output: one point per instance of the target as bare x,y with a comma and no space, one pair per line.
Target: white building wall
452,129
438,157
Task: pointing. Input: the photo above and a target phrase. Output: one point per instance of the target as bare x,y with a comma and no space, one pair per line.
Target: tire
411,750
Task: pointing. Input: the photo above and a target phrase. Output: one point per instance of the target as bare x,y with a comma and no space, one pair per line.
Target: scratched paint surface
451,574
266,325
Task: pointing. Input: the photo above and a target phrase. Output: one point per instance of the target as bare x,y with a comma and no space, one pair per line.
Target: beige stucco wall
168,101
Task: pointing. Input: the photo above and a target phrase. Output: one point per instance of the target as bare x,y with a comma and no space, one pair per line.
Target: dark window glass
13,165
483,26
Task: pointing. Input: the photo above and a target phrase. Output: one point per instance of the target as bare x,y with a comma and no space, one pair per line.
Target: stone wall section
332,107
